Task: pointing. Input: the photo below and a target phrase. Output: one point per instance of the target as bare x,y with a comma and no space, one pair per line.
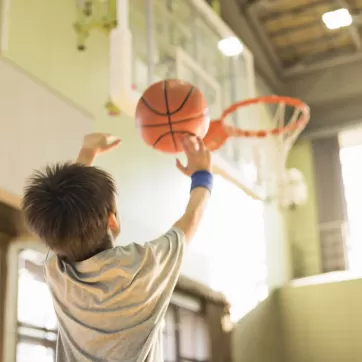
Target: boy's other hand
94,144
100,142
198,156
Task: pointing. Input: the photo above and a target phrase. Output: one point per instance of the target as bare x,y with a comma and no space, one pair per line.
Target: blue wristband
203,179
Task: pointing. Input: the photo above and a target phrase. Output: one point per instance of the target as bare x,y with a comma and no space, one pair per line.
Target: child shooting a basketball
110,301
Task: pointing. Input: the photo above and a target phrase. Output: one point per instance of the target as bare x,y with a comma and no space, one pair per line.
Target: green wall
322,321
258,336
302,223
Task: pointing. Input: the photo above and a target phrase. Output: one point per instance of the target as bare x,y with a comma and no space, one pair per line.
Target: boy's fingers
190,144
201,144
112,145
180,166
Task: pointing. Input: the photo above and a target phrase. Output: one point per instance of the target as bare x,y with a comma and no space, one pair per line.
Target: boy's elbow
188,224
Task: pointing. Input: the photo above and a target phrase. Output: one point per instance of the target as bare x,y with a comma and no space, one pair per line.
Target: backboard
177,39
180,39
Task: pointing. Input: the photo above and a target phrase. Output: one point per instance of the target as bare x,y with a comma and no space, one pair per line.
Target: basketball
168,109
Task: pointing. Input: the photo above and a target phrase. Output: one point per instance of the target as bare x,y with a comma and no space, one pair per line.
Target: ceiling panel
298,35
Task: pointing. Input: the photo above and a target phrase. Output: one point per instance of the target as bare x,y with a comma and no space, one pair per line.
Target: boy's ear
113,222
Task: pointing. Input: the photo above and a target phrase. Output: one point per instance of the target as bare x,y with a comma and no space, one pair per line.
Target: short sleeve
168,249
167,252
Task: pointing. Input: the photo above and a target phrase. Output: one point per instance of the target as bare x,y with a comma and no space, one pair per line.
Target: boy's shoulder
53,260
128,258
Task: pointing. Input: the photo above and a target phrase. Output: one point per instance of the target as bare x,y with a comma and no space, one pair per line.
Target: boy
110,301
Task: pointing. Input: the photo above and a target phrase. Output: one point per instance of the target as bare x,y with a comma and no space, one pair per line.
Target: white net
293,188
260,149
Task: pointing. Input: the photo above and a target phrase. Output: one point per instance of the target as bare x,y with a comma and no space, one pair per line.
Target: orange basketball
170,108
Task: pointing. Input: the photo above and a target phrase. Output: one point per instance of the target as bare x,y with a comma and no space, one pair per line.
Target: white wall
33,120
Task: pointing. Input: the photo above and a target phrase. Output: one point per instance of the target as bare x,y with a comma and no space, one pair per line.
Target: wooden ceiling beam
259,12
314,42
294,29
276,14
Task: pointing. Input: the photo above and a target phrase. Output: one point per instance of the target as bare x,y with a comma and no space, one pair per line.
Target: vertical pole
120,60
150,40
122,14
10,320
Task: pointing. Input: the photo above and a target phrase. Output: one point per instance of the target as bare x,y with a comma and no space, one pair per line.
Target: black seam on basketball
169,114
152,109
188,95
174,122
169,133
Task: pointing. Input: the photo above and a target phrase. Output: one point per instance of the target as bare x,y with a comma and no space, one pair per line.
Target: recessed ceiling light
230,46
337,19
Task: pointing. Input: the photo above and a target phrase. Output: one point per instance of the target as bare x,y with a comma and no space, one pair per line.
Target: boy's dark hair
68,207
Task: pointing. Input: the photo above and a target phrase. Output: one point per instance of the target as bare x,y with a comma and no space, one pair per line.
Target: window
36,319
185,336
352,179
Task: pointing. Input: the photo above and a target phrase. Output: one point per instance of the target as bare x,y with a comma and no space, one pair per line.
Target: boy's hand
100,142
198,156
94,144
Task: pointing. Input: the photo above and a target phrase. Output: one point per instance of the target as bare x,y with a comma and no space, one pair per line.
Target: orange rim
301,122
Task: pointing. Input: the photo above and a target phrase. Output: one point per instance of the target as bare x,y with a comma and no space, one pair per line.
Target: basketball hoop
274,142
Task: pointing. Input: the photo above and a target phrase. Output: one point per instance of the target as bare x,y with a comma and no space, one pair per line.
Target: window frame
10,338
176,310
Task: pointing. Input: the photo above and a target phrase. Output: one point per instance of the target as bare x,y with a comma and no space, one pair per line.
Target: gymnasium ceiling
297,55
297,34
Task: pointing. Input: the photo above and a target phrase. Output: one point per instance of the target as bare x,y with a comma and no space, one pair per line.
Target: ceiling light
230,46
337,19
